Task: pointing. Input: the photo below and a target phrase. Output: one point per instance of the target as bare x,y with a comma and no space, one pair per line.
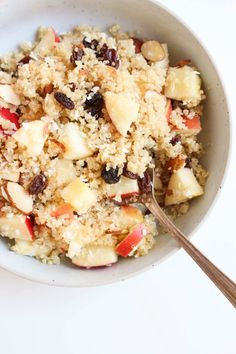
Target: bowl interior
18,22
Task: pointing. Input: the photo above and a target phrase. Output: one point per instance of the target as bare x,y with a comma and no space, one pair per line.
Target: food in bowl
83,116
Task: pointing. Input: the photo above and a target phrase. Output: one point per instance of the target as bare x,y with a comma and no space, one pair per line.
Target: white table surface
172,309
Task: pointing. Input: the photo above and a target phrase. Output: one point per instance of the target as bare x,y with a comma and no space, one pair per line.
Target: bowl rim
39,279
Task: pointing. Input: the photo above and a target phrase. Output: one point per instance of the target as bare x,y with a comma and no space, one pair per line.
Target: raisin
188,162
72,86
92,45
94,104
64,100
129,174
25,60
176,139
18,111
109,55
111,176
178,104
38,184
137,44
144,183
77,55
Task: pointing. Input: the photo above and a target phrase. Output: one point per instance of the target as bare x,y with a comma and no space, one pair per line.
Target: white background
172,309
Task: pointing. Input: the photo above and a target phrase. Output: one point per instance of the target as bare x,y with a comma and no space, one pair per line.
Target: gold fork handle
225,285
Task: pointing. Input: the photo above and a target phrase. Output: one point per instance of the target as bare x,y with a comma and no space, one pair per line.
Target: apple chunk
65,172
32,136
18,197
126,246
193,126
183,84
130,215
182,186
18,227
93,256
125,187
9,122
75,142
8,94
47,41
122,110
79,196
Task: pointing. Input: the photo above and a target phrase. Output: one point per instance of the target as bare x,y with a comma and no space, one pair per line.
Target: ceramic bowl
19,21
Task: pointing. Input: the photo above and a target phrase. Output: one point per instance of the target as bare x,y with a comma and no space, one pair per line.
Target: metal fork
225,285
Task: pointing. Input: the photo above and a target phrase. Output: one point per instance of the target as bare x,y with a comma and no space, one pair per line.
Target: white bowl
19,20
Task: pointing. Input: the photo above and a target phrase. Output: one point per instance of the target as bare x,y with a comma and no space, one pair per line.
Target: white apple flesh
182,186
122,109
17,227
75,142
125,187
32,136
93,256
8,94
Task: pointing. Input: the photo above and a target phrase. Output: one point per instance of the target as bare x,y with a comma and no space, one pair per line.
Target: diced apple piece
47,41
8,94
32,136
125,187
65,172
130,215
79,196
75,142
193,126
95,256
122,110
126,246
168,110
65,210
9,122
10,174
182,186
183,84
18,227
18,197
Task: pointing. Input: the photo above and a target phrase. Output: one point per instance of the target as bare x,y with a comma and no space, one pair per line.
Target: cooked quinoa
83,116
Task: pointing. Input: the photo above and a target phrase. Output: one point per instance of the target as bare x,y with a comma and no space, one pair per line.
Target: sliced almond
4,194
8,94
10,175
18,197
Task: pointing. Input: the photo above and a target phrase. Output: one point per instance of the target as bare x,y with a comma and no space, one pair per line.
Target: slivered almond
4,194
58,144
18,197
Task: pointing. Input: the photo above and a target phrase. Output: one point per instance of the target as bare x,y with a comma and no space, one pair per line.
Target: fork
224,284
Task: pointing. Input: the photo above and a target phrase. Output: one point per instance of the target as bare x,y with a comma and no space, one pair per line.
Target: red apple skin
193,125
127,195
57,38
29,225
5,113
125,247
168,110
